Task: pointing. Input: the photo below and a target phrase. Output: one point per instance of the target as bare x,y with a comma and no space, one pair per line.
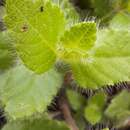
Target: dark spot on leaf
41,8
24,28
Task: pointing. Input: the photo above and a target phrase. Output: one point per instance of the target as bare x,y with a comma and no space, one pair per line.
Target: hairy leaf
78,40
108,62
36,26
37,124
23,93
6,51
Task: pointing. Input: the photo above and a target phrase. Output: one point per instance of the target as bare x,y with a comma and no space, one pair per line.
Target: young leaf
119,110
23,93
36,26
76,101
6,51
108,62
37,124
78,40
94,110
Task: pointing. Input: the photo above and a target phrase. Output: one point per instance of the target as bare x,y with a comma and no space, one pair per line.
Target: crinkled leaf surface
37,124
23,93
108,61
78,40
36,26
6,51
80,36
95,64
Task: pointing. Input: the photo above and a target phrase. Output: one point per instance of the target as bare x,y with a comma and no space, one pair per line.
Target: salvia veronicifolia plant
50,59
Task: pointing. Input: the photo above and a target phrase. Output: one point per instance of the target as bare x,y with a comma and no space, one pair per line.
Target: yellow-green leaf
36,27
107,63
78,40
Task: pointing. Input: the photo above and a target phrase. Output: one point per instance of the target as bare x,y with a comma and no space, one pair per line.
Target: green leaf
23,93
94,110
36,26
93,114
101,7
106,9
118,110
121,21
37,124
78,40
70,12
107,63
119,4
6,51
76,101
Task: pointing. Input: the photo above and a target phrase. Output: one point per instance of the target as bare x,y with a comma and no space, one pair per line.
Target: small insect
41,8
24,28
